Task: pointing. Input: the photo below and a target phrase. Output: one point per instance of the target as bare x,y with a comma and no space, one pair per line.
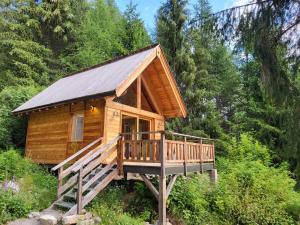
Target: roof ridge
112,60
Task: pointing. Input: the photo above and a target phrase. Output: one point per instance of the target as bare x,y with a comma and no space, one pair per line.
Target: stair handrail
101,150
76,154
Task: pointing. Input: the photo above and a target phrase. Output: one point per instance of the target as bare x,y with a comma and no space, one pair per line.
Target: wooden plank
150,186
76,154
79,191
135,74
171,184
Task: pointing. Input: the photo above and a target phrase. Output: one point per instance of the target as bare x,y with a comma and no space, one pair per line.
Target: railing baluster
79,191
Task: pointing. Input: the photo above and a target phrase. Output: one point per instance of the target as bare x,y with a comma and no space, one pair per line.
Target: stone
48,220
88,215
86,222
34,215
11,185
97,220
72,219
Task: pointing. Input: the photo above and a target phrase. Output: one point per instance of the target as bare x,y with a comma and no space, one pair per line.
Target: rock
88,215
11,185
97,220
86,222
48,220
34,215
72,219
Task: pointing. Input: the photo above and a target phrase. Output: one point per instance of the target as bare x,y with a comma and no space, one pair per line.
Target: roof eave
100,95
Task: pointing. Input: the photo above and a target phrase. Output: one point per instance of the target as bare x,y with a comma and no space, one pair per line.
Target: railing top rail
143,132
76,154
97,153
189,136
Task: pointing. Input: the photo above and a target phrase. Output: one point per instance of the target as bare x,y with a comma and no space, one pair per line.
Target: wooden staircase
83,175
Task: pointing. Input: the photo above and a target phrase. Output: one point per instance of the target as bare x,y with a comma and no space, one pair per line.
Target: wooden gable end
159,91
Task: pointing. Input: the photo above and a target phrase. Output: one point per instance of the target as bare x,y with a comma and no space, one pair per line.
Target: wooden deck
83,175
180,156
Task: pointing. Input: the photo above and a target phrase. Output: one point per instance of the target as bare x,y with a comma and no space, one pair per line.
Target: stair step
71,195
63,204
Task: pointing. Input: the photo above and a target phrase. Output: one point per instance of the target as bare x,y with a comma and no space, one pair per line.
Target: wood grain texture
49,132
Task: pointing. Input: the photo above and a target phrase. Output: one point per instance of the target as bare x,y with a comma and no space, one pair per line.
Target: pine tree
23,60
136,36
170,24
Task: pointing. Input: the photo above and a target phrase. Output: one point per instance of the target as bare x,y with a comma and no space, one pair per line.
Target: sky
148,8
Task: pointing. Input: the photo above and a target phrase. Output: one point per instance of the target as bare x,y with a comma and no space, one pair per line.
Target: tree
136,36
100,36
22,59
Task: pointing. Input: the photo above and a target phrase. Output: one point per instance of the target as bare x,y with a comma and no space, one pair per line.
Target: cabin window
77,131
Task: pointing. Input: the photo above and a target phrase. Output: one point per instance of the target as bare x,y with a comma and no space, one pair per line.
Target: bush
37,186
13,128
249,190
110,207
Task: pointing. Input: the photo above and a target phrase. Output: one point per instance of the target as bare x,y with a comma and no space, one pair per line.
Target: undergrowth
37,186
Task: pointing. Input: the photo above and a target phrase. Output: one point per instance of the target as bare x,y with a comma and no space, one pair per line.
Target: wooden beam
130,109
136,73
151,96
172,81
138,92
171,184
150,186
162,203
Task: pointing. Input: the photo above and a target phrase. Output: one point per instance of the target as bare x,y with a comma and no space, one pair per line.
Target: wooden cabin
109,120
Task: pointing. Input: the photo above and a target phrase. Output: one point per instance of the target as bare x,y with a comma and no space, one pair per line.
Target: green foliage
249,149
12,129
249,191
12,206
110,207
37,186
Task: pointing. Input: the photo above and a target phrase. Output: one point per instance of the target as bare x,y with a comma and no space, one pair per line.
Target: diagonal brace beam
171,184
150,186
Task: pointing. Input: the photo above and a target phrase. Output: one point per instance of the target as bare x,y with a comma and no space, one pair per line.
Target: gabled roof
106,79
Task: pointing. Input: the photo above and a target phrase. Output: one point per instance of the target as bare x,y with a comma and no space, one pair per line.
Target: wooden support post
162,204
139,92
213,176
120,155
60,181
171,184
79,191
201,155
150,186
185,156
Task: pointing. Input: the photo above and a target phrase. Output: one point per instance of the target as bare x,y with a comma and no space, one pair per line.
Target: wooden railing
190,149
65,167
73,175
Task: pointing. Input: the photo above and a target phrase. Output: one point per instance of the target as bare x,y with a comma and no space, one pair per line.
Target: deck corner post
185,156
79,191
201,155
120,154
162,203
213,176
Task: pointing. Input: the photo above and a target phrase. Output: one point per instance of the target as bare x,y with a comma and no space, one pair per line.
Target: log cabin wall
49,131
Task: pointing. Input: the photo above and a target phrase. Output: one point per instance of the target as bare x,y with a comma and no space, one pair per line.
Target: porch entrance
133,125
133,128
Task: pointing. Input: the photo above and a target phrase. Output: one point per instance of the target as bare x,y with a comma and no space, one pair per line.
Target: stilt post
162,204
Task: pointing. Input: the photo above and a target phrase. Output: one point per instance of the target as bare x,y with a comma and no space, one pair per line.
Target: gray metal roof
99,80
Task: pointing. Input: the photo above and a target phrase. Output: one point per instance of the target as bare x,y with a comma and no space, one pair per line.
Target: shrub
110,207
249,190
37,186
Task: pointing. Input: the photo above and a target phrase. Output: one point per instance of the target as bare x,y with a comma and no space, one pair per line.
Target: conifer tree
136,36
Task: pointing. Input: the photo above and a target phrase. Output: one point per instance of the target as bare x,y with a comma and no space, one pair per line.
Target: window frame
74,137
